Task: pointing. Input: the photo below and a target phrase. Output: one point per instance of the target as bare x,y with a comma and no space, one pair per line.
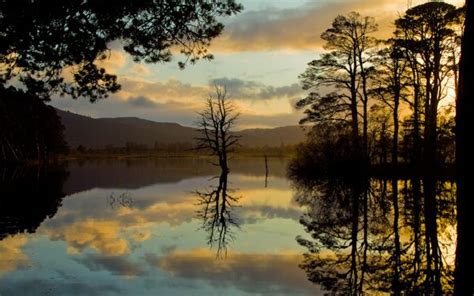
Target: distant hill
100,132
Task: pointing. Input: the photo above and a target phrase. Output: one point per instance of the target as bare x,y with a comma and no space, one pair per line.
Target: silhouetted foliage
29,129
328,151
40,41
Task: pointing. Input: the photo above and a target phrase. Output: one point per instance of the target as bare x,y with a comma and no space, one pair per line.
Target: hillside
100,132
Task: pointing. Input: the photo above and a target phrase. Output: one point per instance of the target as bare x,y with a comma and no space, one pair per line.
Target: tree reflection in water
29,195
216,205
371,236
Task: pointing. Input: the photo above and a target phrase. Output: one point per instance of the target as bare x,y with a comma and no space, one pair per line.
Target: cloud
115,60
11,254
253,273
141,101
140,69
116,265
271,120
299,28
141,92
172,89
253,90
260,105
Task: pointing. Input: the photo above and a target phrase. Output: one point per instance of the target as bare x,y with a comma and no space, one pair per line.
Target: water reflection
370,236
216,211
127,232
29,195
130,228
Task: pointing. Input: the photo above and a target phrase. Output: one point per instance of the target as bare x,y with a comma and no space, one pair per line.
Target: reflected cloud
266,274
103,236
116,265
39,286
11,254
111,226
259,213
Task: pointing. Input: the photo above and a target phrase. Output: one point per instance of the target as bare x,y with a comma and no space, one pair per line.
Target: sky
258,57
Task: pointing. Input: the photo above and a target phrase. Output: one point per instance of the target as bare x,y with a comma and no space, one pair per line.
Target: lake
179,227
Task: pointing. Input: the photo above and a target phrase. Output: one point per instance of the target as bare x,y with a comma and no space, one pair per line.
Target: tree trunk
396,103
397,264
464,159
433,264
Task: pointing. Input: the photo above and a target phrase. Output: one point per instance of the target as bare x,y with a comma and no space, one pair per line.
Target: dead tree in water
215,125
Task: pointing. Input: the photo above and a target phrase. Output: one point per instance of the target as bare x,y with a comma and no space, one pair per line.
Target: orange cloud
115,60
11,254
300,28
99,235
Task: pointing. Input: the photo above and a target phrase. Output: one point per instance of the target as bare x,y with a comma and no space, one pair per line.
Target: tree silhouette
216,214
390,87
215,125
41,40
428,33
464,158
339,80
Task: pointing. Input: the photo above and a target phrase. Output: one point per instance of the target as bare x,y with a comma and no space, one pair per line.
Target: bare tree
215,125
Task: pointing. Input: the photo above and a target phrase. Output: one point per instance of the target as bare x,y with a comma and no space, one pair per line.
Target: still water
179,227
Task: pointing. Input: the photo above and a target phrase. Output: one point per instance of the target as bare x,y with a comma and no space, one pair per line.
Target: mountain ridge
101,132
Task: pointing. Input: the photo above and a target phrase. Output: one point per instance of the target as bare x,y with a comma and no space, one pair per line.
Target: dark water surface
177,227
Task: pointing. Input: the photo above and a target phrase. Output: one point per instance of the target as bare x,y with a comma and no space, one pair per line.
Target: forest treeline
29,129
384,102
178,149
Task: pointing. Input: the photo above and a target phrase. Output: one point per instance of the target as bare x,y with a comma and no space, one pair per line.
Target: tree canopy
41,40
